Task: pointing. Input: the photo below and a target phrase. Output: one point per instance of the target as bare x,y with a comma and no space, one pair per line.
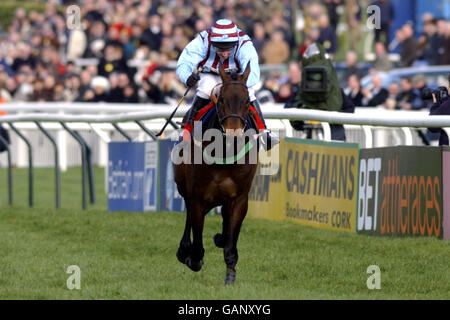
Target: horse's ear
244,76
225,77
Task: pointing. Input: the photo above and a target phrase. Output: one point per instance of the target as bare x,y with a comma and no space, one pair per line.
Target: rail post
10,179
30,164
57,170
83,163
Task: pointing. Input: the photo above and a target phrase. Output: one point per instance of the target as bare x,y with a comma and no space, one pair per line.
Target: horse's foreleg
219,238
236,216
184,250
195,261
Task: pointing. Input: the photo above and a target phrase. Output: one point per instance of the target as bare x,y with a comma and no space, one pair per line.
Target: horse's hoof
230,277
182,255
194,266
218,240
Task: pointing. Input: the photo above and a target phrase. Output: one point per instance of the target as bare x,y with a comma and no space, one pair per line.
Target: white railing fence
371,127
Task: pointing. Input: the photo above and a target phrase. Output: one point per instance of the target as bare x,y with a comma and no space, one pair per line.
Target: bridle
231,115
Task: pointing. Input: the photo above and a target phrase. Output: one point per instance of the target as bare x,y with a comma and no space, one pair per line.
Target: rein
248,146
229,160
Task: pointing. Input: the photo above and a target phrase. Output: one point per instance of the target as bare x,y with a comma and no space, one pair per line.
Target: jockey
224,42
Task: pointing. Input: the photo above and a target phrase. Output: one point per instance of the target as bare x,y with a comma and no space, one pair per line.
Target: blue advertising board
133,176
169,198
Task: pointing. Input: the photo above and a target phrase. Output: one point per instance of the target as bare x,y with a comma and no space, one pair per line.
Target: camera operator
441,106
319,89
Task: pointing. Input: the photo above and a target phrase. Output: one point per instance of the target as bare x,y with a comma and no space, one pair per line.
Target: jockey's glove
193,79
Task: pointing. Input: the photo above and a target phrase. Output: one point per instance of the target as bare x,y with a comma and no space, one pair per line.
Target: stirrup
268,140
181,124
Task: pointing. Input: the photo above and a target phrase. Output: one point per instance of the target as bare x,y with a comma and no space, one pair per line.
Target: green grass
126,255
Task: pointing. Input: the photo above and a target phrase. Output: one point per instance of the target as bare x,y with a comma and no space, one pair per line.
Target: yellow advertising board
266,195
321,184
316,185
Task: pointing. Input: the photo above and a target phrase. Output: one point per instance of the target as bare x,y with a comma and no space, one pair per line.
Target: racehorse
205,186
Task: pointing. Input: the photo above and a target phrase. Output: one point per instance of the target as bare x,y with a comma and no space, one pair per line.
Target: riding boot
268,139
196,106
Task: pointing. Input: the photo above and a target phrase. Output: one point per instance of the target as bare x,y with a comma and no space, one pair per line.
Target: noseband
231,115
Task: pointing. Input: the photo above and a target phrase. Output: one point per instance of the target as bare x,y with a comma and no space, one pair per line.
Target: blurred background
126,51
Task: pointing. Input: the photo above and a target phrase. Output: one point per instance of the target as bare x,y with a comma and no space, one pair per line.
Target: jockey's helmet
224,35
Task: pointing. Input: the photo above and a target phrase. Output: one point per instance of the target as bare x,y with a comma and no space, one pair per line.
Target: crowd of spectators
430,48
125,51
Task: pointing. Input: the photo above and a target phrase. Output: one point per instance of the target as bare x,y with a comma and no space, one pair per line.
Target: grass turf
126,255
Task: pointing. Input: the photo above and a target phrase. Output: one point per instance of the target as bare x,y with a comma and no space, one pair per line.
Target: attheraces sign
400,191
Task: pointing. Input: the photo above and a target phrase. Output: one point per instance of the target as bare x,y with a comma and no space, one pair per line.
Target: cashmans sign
316,185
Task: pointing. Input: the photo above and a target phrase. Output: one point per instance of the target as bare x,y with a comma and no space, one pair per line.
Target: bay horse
205,186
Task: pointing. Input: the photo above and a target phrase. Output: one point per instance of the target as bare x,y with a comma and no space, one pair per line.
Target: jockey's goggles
224,46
